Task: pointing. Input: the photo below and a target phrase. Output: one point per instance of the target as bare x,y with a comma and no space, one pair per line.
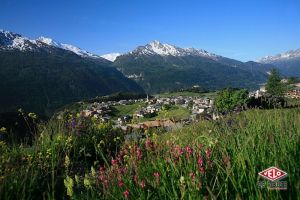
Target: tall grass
211,159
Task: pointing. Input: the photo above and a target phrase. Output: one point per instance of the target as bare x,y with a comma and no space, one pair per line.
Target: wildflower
93,172
200,161
32,116
181,151
181,180
142,184
116,139
114,161
126,158
189,150
148,144
126,194
139,153
208,153
69,183
121,183
202,170
156,174
3,130
154,136
67,161
192,175
157,177
87,182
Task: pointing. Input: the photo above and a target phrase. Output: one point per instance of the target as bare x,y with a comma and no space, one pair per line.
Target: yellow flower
67,161
181,180
93,171
116,139
32,115
126,158
154,136
87,182
3,130
69,183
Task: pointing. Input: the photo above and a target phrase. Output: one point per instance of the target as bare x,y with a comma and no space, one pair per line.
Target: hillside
40,77
288,62
161,67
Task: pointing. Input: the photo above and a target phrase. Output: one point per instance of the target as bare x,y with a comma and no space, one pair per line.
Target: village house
139,114
294,94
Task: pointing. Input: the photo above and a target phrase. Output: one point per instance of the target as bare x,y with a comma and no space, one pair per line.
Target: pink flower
126,194
157,177
208,153
200,161
202,170
149,144
142,184
114,161
101,177
139,153
192,175
189,150
121,183
121,170
181,151
156,174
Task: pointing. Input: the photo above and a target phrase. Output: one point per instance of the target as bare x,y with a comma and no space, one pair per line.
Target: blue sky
240,29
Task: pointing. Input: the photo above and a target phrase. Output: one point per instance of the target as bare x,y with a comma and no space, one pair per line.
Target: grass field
208,160
176,112
122,110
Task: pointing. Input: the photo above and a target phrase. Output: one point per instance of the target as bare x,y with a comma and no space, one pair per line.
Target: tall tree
274,86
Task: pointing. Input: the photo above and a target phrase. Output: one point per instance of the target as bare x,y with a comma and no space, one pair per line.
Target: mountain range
288,62
42,75
159,67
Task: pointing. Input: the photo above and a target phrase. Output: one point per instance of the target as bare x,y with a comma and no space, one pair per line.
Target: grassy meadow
75,158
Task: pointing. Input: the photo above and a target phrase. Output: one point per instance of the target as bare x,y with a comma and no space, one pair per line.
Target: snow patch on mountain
281,57
111,56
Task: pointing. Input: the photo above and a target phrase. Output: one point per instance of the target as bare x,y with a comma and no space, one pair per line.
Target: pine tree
274,86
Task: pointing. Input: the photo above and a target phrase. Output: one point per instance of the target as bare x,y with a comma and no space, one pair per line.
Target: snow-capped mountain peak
111,56
157,48
76,50
48,41
292,54
10,40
